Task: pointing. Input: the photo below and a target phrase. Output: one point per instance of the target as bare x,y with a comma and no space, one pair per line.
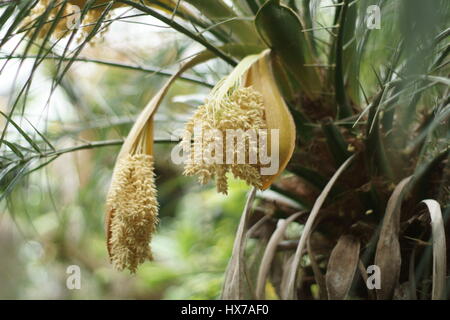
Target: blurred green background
54,217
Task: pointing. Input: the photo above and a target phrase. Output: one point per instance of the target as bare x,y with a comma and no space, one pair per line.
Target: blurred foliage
65,227
56,214
66,104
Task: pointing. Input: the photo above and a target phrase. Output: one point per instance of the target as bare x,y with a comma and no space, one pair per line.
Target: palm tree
366,83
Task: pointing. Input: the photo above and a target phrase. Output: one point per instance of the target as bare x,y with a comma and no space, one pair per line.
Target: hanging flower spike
134,212
132,204
247,100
